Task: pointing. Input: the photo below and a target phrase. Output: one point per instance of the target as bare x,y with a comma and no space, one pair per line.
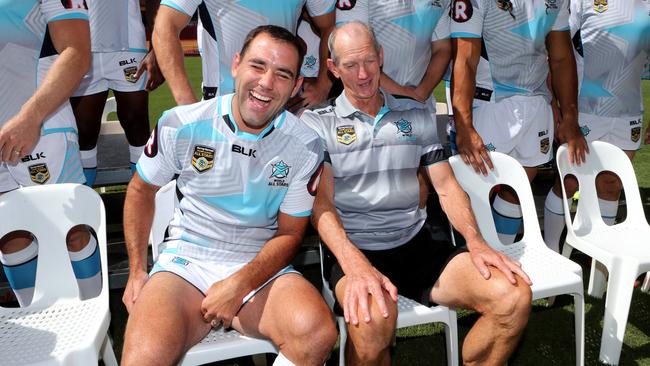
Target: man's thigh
167,313
280,308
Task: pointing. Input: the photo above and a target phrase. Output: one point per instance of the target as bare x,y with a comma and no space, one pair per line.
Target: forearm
462,89
151,8
564,78
138,217
440,54
390,86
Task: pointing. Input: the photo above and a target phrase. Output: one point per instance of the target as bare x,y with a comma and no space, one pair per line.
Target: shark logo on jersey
203,158
491,147
585,130
403,126
280,170
544,145
129,74
310,62
345,4
635,134
601,6
39,173
346,134
461,11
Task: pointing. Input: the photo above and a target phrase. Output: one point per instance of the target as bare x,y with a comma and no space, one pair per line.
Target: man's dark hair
279,34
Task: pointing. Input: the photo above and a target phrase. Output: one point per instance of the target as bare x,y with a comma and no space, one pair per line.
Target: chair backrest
507,171
602,157
165,204
49,212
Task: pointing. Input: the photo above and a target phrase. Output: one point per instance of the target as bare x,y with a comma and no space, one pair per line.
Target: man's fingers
140,71
378,294
364,308
390,288
482,268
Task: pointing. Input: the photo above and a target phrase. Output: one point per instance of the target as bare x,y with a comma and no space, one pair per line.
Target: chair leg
106,352
451,339
567,250
597,279
646,283
617,307
579,314
343,338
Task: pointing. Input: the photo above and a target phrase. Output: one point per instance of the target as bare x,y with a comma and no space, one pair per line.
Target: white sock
608,210
553,220
282,360
86,265
89,158
134,153
20,269
507,219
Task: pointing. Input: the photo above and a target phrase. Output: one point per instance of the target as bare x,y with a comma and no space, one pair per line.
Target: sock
282,360
20,269
87,268
608,210
134,155
89,163
507,219
553,220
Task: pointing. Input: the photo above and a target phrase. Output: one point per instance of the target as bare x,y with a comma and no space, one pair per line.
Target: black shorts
413,267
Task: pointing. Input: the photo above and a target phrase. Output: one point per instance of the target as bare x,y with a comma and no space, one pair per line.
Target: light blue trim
143,50
382,112
87,267
173,5
47,131
464,35
331,8
141,174
301,214
69,16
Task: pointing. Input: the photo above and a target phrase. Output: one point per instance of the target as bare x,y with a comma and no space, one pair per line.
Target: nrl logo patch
202,158
346,134
129,74
600,6
635,134
544,145
39,173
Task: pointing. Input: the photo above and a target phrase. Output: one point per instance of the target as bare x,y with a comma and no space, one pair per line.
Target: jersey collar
224,109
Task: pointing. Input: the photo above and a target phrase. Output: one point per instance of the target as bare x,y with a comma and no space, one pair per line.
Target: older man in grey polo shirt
367,214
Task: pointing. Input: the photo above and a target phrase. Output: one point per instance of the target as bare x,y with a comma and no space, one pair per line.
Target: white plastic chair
57,328
624,248
110,127
218,345
551,273
409,313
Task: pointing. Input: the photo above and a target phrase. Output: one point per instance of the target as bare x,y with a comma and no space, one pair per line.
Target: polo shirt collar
345,109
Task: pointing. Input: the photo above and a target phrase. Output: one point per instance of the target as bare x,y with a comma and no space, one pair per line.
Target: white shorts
112,70
54,159
520,126
202,274
624,132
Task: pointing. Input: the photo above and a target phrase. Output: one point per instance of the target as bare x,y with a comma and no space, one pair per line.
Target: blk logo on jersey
39,173
33,157
600,6
544,145
345,4
461,11
129,74
346,134
242,150
635,134
202,158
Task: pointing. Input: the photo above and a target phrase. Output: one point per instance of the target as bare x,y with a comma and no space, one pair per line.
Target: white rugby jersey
404,29
612,43
116,25
27,51
514,40
231,184
227,22
375,163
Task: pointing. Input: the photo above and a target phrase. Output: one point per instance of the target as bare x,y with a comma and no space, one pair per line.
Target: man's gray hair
332,38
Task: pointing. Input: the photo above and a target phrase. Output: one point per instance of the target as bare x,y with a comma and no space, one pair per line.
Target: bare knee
78,238
369,342
509,304
310,337
609,187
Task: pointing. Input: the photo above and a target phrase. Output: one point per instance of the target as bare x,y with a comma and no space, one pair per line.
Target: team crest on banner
203,158
129,74
635,134
600,5
39,173
544,145
346,134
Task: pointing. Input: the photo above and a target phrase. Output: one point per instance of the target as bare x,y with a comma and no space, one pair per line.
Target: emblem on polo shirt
544,145
346,134
635,134
600,6
39,173
202,158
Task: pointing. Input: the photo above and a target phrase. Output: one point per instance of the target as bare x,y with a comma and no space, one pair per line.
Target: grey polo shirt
375,162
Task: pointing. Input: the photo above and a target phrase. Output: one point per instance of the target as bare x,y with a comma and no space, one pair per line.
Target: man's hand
154,76
366,281
472,150
314,91
18,137
483,256
134,285
569,132
222,302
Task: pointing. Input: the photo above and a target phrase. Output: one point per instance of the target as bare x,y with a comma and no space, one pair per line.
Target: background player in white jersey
247,173
224,27
44,52
524,41
612,43
367,213
120,59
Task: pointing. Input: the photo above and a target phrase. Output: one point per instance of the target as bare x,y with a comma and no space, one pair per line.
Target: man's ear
296,87
235,64
332,68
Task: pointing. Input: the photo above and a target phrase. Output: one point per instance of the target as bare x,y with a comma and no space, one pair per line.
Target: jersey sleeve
562,20
184,6
349,10
441,31
466,19
299,199
317,8
158,163
432,149
54,10
313,121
